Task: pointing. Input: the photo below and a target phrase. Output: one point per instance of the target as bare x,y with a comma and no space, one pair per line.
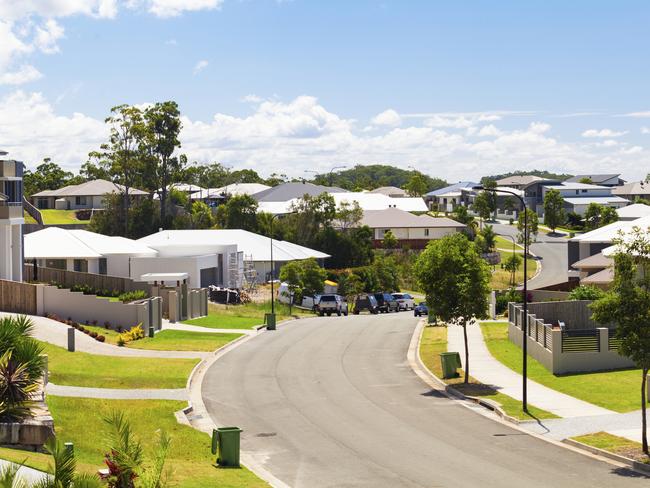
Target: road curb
635,465
418,367
196,415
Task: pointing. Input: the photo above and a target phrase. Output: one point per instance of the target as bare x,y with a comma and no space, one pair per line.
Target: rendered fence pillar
556,350
71,332
493,305
184,301
173,304
603,333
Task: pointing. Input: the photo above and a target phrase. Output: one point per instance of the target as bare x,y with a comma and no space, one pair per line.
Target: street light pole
524,327
332,171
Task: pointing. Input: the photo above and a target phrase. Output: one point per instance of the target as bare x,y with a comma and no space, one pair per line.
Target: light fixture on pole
524,330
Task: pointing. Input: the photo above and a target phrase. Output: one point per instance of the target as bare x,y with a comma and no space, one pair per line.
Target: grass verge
172,340
434,341
616,390
83,369
615,445
244,316
500,279
79,420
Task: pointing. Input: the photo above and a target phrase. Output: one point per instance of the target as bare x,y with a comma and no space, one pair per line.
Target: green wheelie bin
269,320
225,444
450,361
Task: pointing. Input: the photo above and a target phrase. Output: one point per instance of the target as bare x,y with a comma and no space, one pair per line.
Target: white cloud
171,42
639,115
489,130
645,130
603,133
200,66
47,35
607,143
388,118
24,74
172,8
302,133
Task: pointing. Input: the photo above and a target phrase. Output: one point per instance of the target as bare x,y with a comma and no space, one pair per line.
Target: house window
103,268
584,191
80,200
382,232
426,232
577,192
81,265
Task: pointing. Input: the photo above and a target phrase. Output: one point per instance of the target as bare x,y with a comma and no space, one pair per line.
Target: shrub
133,334
100,338
93,334
502,300
120,342
131,296
94,322
588,292
118,328
107,325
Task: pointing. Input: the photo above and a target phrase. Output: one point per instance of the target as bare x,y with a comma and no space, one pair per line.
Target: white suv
404,301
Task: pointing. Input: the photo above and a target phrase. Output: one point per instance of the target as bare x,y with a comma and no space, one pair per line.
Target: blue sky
469,86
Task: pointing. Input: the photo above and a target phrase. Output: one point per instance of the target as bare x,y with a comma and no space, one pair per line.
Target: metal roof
451,188
288,191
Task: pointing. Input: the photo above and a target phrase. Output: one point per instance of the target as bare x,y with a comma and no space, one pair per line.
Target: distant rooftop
396,218
519,180
288,191
451,188
635,188
596,179
89,188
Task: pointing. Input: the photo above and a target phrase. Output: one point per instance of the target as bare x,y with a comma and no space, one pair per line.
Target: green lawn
616,390
56,217
180,340
505,243
434,341
80,421
500,279
82,369
244,316
614,444
172,340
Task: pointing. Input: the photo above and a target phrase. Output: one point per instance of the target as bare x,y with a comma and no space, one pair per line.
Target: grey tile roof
396,218
287,191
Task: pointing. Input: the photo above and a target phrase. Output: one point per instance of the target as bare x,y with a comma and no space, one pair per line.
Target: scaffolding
250,274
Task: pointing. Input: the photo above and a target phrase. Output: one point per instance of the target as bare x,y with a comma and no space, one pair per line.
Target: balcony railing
11,210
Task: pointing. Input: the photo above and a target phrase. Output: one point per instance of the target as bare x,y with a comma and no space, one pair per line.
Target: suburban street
327,402
552,253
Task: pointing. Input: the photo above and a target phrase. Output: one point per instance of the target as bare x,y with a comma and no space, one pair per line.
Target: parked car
404,300
331,303
421,309
365,302
386,302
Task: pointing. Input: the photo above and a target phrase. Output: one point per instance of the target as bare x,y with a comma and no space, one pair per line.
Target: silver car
404,301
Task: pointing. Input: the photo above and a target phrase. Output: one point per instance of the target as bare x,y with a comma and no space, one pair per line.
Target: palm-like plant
125,460
63,472
16,388
21,367
9,477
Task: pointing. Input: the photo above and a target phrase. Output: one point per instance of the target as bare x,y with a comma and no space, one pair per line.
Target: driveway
552,253
333,402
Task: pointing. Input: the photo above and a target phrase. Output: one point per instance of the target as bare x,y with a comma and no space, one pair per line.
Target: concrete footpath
578,417
54,332
117,393
486,369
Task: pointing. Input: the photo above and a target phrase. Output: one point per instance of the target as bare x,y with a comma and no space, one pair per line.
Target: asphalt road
552,254
332,402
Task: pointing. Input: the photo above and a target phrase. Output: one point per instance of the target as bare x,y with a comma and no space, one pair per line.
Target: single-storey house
632,191
390,191
633,212
253,251
88,195
413,231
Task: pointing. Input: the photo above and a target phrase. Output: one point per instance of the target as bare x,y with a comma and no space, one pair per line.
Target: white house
253,251
11,219
83,251
413,231
88,195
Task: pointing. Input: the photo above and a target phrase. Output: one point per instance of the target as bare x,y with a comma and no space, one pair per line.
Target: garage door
208,277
